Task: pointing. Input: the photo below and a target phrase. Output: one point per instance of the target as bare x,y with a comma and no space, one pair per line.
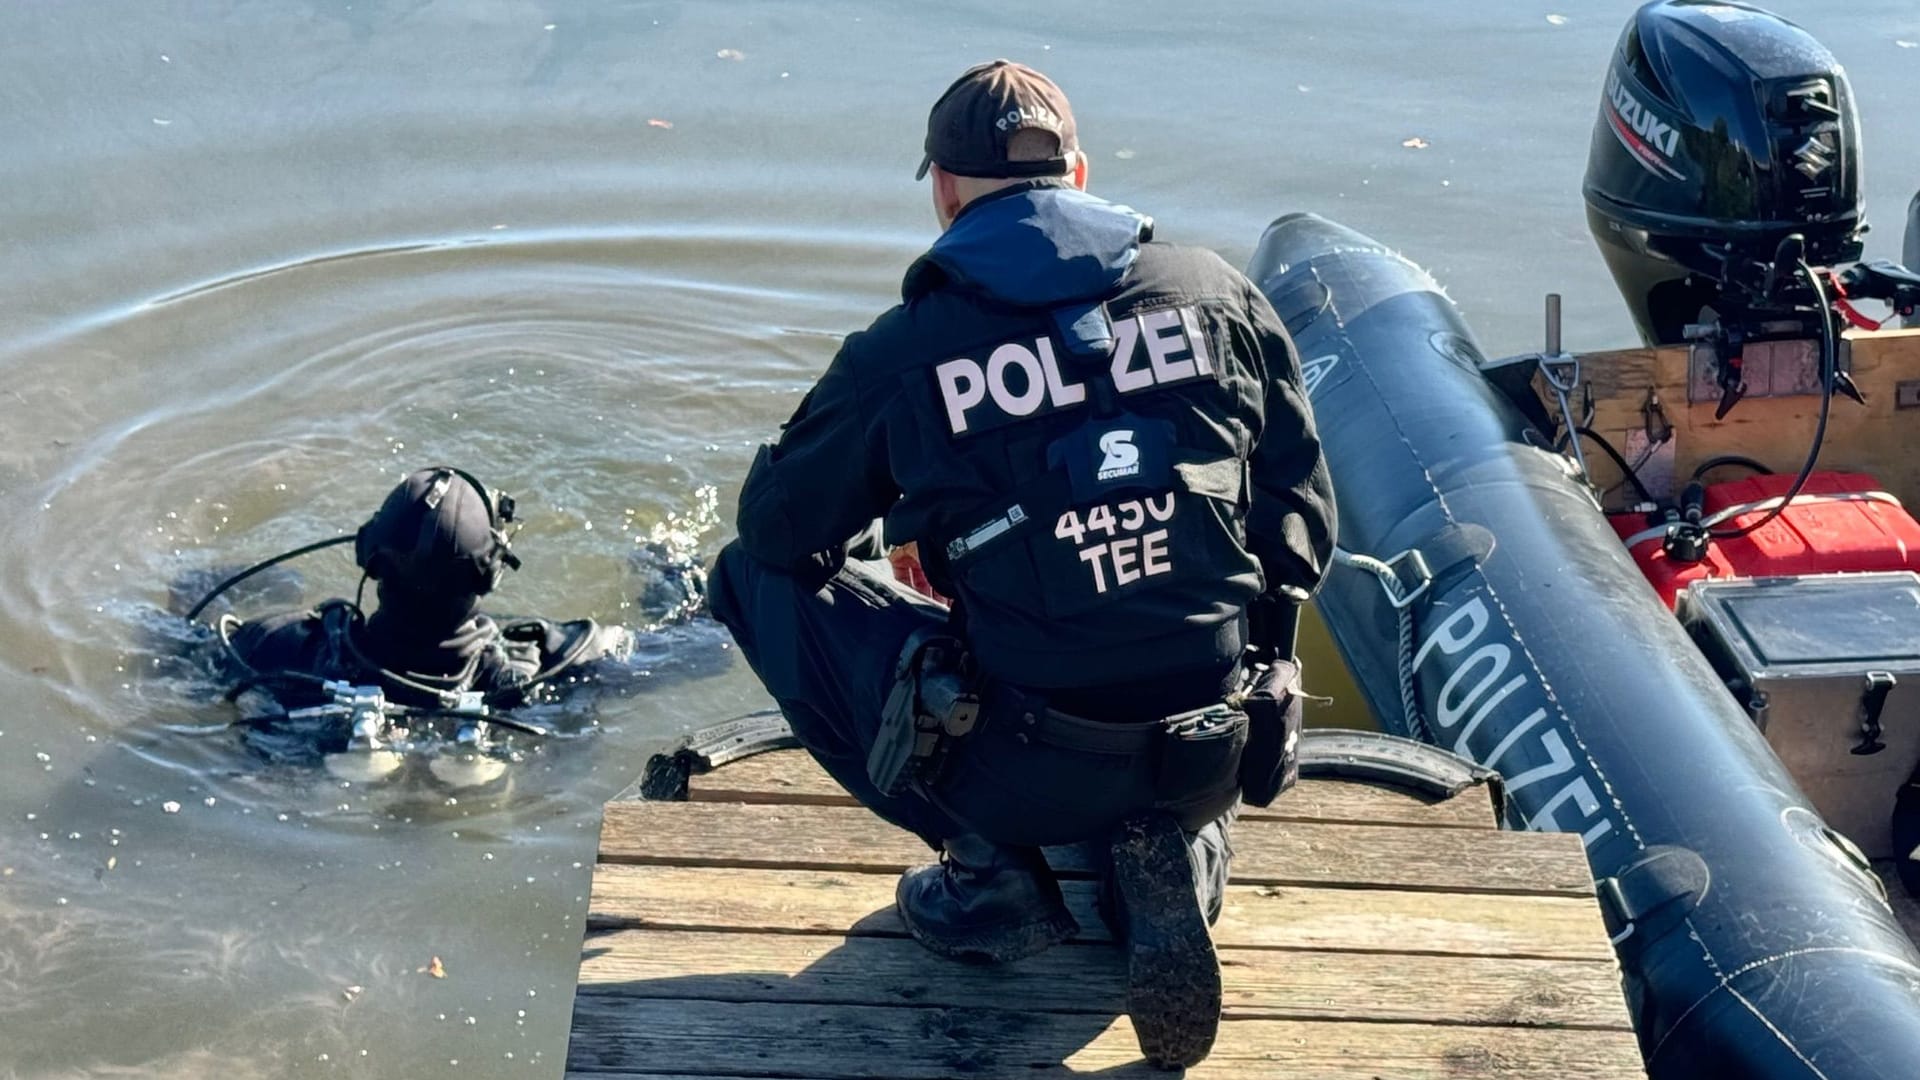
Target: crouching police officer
1101,446
434,548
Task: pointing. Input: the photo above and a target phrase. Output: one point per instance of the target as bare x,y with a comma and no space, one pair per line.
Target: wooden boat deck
749,932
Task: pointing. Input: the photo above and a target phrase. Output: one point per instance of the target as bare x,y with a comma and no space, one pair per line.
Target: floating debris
1415,143
352,992
170,807
1908,44
1557,20
435,968
731,54
651,122
1123,155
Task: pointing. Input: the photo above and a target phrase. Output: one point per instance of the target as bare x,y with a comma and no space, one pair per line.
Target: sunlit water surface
259,260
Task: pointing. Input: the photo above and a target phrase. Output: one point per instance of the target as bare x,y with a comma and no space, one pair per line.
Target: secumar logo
1120,458
1651,140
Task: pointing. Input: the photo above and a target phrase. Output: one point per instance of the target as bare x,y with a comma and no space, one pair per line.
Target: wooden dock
749,932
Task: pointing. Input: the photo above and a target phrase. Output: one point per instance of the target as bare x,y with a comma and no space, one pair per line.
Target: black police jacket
1100,443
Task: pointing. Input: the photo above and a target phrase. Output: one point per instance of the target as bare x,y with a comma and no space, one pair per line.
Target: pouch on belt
1198,774
1271,701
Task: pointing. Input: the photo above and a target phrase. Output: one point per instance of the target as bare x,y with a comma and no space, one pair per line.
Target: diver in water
426,657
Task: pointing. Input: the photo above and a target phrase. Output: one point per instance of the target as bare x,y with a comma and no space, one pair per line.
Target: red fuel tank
1839,523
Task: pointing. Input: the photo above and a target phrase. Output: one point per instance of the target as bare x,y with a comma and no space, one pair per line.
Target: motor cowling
1911,253
1722,130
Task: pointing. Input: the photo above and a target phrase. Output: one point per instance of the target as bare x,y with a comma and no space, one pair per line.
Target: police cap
970,126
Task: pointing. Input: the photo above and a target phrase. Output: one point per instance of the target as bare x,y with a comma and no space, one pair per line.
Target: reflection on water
257,261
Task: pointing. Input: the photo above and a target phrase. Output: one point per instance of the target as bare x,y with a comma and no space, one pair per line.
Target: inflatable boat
1754,940
1546,566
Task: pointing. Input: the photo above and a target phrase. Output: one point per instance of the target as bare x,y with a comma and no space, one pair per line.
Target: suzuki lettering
1651,140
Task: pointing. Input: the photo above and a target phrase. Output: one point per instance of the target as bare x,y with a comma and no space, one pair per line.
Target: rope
1416,721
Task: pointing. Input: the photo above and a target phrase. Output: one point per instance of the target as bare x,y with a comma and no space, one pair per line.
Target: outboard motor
1723,132
1911,255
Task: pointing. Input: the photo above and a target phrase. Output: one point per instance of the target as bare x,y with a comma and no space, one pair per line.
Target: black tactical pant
827,656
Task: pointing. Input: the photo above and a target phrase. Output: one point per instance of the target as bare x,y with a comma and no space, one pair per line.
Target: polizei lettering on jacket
1651,140
1022,379
1489,712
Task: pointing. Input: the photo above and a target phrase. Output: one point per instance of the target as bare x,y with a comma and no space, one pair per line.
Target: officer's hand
908,571
1273,622
820,567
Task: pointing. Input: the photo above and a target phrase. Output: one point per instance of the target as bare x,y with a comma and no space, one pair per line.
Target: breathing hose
259,566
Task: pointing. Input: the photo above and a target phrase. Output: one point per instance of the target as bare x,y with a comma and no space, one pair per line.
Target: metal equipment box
1828,665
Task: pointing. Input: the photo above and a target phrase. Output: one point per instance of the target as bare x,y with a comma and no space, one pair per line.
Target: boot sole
995,944
1173,976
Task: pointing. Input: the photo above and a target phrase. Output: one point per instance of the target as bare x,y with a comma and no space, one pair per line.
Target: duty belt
1069,732
933,705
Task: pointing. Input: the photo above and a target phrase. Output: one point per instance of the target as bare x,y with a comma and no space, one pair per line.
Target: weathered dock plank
1267,984
795,780
824,902
1298,853
750,933
850,1042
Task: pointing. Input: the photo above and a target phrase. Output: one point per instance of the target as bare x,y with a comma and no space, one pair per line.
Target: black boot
985,901
1173,976
1211,850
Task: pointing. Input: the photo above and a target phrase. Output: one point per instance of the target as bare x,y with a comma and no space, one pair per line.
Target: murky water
257,260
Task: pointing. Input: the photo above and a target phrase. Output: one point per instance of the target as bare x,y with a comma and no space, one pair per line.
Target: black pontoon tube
1753,943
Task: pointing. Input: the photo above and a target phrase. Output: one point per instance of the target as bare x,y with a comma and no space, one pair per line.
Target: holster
932,705
1271,700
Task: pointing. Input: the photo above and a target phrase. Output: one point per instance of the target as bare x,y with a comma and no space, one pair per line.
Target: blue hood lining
1045,246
